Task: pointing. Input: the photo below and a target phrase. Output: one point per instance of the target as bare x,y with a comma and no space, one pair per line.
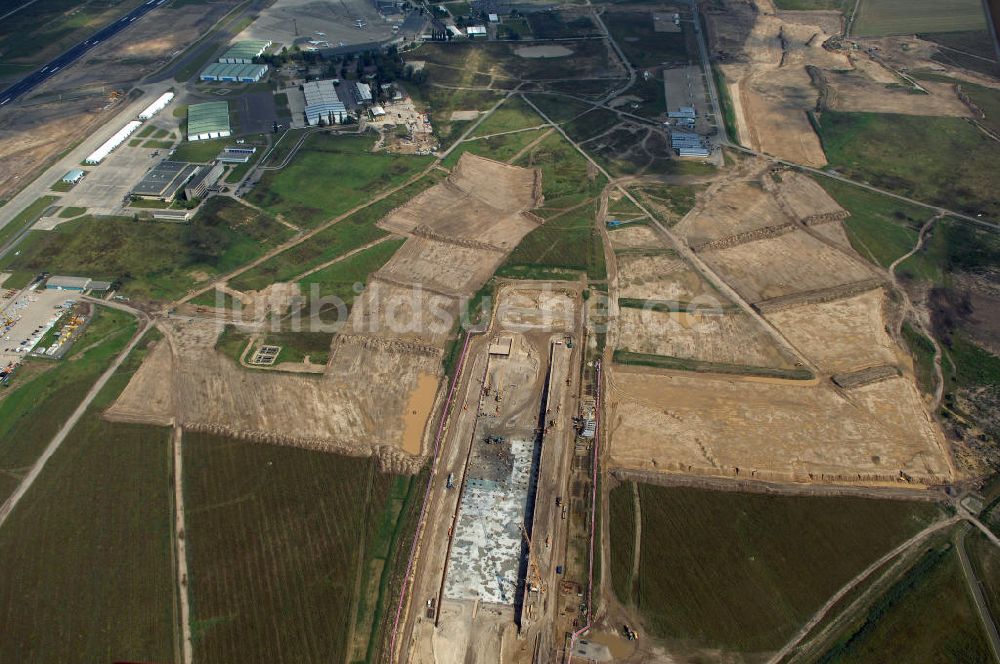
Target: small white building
73,176
476,31
156,106
494,18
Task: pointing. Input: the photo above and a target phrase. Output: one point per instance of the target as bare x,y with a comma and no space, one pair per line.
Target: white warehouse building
156,106
98,155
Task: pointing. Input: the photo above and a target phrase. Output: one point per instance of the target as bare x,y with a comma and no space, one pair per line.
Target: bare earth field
787,264
634,237
834,232
391,311
382,381
728,338
732,209
804,200
842,335
659,277
441,266
482,203
187,380
769,429
854,91
771,89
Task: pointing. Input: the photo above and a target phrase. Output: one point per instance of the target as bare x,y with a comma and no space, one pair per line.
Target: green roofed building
209,120
243,53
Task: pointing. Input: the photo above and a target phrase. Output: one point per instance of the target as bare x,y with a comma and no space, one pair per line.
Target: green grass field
880,228
329,175
569,240
749,569
899,17
344,280
926,616
560,25
348,234
154,260
942,161
70,212
200,152
591,123
985,560
500,148
44,393
559,109
513,114
88,575
279,539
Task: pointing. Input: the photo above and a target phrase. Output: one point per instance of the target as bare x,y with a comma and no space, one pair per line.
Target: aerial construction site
479,333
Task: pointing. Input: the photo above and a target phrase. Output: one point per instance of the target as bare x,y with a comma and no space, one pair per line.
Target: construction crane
534,578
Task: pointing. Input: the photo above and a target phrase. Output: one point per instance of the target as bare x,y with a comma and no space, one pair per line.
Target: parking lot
32,314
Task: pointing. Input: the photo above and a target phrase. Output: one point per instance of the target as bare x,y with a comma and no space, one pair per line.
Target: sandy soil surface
765,56
482,203
907,52
791,263
854,91
732,209
842,335
392,310
834,231
500,185
185,379
523,309
729,338
660,277
634,237
803,199
441,266
772,430
72,104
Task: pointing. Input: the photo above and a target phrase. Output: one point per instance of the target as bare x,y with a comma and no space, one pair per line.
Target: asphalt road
33,80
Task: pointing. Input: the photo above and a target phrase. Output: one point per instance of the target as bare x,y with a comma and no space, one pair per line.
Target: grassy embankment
686,364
